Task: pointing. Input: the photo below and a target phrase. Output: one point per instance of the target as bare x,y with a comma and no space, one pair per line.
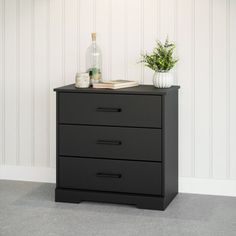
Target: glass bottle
94,61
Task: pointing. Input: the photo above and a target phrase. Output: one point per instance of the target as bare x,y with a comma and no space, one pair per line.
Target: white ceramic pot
162,79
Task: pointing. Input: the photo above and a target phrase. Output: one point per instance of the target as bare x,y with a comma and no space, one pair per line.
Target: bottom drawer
110,175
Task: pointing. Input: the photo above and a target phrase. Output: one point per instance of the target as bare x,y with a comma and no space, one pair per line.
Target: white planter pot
162,79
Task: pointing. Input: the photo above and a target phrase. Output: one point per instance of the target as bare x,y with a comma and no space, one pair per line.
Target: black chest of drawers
118,146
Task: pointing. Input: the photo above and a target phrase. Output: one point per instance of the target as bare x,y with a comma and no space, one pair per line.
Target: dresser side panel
170,145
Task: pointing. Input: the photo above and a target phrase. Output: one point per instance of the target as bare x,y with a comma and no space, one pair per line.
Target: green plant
94,71
161,59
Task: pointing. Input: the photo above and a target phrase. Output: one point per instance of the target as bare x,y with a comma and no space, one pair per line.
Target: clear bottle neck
94,43
94,46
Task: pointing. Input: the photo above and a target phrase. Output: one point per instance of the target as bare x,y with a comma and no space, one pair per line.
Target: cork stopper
93,36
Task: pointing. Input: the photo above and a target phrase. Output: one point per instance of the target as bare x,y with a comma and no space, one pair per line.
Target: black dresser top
141,89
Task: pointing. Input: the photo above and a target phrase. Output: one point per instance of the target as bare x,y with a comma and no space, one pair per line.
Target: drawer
110,175
110,109
110,142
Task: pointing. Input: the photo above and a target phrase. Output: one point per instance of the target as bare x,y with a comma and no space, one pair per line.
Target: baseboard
186,185
208,186
33,174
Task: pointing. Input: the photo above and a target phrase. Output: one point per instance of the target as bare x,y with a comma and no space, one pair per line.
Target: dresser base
141,201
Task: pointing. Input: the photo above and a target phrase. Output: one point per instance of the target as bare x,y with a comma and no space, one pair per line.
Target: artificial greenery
94,71
161,59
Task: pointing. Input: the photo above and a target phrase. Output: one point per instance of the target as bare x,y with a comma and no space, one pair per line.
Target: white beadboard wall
42,46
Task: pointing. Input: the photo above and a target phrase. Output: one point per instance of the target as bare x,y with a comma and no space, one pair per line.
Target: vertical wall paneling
102,29
56,76
210,88
10,82
118,39
219,89
227,26
149,33
70,40
2,75
158,19
63,38
32,82
48,83
134,40
232,83
86,27
185,76
142,37
18,81
78,32
41,84
94,15
25,95
125,41
167,16
175,38
202,89
193,76
109,72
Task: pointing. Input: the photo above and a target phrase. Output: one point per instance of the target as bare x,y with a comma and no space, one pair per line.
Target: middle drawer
110,142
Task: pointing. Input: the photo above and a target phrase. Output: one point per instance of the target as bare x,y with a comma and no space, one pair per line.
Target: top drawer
110,109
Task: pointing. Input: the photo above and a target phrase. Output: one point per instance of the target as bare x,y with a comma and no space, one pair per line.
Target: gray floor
29,209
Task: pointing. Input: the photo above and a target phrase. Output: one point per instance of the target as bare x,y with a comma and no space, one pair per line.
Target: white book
116,84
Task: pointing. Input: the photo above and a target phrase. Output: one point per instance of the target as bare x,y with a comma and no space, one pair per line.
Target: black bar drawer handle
108,175
109,142
108,109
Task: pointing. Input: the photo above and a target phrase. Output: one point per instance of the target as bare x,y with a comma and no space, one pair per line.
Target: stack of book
116,84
